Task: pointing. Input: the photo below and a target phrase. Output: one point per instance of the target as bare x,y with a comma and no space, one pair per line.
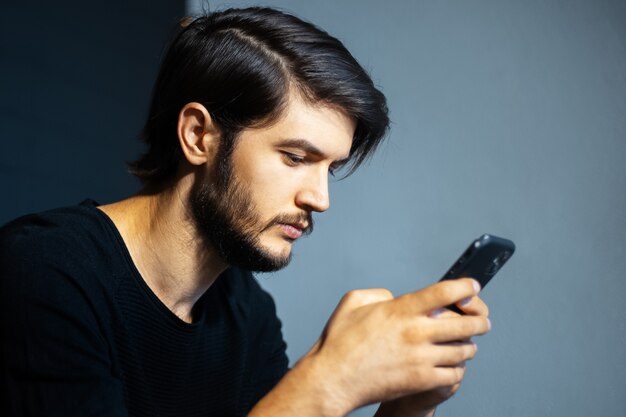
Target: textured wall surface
509,117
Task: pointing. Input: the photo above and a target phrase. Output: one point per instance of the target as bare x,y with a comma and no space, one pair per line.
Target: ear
197,134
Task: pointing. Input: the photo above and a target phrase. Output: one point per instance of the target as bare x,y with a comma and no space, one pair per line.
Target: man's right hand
378,348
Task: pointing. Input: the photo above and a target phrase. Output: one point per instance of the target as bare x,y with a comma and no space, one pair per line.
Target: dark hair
240,64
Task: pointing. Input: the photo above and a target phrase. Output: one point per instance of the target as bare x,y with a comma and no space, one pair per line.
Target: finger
473,306
455,388
443,313
455,354
446,376
457,328
440,295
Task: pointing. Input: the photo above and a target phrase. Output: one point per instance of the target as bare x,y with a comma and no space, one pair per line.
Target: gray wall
509,117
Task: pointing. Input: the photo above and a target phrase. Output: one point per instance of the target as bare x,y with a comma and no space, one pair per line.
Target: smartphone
481,261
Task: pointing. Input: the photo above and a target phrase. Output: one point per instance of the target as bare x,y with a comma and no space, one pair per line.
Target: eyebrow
309,148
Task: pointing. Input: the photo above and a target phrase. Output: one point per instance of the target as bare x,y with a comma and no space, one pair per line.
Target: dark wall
75,84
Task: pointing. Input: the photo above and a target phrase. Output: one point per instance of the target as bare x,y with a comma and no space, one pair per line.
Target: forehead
327,127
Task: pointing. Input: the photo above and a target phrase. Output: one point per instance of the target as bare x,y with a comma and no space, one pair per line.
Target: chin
274,257
267,253
278,250
268,263
281,245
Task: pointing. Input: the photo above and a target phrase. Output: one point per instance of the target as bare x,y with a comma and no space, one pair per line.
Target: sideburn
227,219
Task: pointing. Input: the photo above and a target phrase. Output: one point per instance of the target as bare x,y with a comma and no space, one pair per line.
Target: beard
227,220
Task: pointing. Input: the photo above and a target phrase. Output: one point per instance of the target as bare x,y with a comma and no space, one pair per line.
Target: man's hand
381,348
377,348
423,404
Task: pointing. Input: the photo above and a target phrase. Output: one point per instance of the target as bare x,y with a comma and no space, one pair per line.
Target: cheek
272,187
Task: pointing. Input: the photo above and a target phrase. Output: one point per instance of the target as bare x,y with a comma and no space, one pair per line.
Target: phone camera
493,268
496,264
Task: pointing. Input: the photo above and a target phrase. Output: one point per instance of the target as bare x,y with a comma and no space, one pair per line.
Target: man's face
277,176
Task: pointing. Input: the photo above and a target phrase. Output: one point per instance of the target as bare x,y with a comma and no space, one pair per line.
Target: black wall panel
75,84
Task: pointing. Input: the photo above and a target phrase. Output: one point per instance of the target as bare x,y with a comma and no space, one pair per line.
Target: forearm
306,390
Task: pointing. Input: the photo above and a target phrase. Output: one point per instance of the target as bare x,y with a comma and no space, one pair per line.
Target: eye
292,159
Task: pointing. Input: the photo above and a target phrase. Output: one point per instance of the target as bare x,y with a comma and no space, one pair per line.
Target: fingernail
489,324
465,301
436,313
476,287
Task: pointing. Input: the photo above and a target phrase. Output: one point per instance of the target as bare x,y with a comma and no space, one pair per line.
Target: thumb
359,298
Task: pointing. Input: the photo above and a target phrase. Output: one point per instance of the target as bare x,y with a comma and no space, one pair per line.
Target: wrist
310,388
328,384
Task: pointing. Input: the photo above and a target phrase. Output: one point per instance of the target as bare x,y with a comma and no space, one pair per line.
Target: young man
147,307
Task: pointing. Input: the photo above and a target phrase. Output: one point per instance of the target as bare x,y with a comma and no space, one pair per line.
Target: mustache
294,219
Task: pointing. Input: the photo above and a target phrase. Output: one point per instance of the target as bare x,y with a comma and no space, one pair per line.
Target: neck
171,256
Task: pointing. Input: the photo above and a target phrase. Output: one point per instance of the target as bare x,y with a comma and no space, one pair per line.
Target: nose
314,196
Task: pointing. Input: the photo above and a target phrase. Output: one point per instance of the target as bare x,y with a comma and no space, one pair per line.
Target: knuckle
485,325
383,294
368,296
350,296
351,293
480,325
414,334
486,310
448,314
481,307
444,393
470,285
352,300
458,375
460,355
449,392
409,336
445,290
467,327
453,377
355,296
470,351
477,326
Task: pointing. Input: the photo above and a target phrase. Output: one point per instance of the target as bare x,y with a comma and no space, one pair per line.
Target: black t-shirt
83,335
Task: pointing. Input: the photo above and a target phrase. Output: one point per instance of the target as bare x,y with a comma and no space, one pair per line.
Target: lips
292,231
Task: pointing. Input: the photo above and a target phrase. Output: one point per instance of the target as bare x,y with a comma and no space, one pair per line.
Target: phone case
481,261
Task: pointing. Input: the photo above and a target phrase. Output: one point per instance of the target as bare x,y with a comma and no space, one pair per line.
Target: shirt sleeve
55,360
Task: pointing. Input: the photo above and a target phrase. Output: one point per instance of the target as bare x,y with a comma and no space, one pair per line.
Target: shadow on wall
75,80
